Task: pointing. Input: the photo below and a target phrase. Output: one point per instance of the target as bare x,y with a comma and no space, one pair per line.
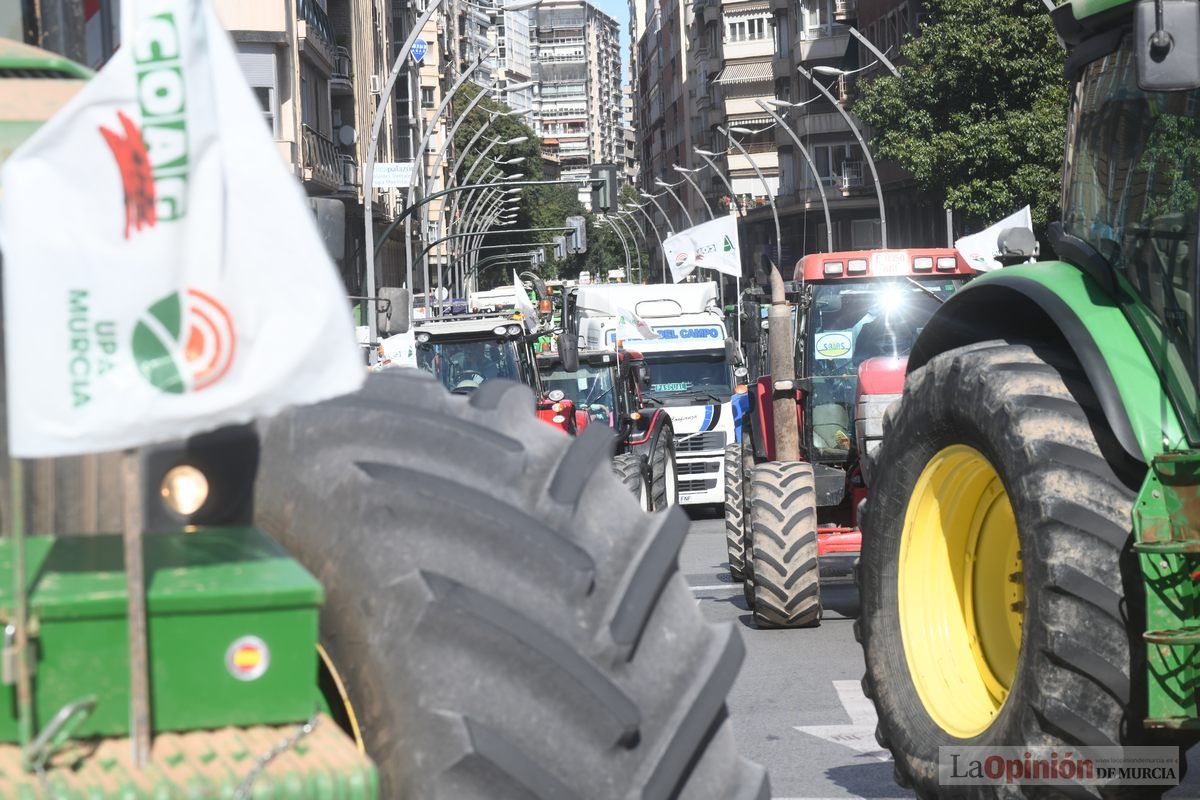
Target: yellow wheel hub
961,590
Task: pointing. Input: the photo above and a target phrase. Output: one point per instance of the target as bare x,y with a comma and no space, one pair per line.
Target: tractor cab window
854,321
462,366
591,389
1131,187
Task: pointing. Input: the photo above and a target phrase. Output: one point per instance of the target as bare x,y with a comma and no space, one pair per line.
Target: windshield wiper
925,289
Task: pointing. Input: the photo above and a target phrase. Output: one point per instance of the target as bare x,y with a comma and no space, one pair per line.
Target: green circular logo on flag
184,342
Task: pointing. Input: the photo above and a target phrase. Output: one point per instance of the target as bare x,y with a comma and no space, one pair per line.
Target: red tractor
605,389
831,357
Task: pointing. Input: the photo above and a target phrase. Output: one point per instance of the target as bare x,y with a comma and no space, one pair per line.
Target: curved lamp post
862,144
670,189
687,176
766,106
766,187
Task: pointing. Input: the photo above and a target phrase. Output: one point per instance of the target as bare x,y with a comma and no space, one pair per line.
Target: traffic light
604,192
560,248
577,235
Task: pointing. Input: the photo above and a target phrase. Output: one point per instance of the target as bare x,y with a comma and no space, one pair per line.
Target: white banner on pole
980,249
196,291
392,175
711,245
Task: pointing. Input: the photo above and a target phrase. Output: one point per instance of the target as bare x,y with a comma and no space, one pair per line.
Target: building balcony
845,11
819,44
340,81
814,124
314,31
852,176
780,5
322,167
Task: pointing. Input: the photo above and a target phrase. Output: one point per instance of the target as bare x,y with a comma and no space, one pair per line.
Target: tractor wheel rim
961,591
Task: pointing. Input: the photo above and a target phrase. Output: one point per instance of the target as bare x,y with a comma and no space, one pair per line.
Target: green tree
979,111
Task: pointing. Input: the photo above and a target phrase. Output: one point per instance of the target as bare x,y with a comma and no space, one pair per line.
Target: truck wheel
630,470
664,483
735,511
1001,601
785,576
505,620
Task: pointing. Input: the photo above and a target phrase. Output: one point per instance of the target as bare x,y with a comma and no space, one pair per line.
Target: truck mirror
1168,61
643,376
1015,245
741,373
394,310
568,352
731,351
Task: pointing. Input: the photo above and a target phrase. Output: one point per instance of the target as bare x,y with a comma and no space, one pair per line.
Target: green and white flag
711,245
192,290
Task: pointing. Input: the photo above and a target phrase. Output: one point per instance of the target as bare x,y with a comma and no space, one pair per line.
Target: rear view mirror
1168,50
568,352
741,373
331,224
394,310
643,376
1015,245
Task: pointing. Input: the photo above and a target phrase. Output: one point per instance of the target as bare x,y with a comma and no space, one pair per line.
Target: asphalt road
797,707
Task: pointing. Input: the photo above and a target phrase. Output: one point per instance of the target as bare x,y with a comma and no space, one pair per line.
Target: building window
258,65
426,97
314,99
864,234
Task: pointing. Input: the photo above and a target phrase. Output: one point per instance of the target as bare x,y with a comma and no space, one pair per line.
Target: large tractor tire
735,511
783,585
1001,602
631,471
664,477
505,621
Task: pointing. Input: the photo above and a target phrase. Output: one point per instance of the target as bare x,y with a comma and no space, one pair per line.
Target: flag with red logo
709,245
163,274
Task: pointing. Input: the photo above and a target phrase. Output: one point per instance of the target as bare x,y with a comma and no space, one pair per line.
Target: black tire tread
783,552
735,511
506,620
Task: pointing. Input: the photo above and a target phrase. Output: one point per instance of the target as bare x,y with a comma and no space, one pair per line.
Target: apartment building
513,36
577,113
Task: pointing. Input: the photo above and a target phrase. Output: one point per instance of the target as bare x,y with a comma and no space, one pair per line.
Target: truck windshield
463,365
853,321
682,373
1131,188
590,388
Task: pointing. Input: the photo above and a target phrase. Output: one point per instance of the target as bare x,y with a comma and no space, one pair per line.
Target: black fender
644,438
1016,308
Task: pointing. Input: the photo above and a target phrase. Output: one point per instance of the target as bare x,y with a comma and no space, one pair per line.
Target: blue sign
419,49
690,332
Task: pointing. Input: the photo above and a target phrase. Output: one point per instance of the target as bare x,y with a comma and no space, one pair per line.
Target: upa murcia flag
631,326
189,288
980,249
711,245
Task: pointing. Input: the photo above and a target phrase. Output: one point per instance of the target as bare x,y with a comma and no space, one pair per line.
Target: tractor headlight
558,419
922,263
184,489
499,330
555,395
422,337
514,330
947,263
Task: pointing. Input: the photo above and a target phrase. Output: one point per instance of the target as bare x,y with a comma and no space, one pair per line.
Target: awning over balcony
755,72
749,122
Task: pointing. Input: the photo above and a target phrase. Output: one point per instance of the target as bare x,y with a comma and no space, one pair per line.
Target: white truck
691,368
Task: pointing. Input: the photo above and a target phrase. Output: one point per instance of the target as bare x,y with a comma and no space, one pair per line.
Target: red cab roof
856,264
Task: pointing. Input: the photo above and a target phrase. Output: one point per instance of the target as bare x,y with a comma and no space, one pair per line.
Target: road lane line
714,586
859,735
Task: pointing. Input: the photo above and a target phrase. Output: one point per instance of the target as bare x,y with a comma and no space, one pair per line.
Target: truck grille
698,442
697,467
700,485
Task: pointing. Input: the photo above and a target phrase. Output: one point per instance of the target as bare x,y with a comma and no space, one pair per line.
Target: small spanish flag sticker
247,658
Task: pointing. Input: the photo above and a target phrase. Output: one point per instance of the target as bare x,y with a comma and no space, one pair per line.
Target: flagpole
135,589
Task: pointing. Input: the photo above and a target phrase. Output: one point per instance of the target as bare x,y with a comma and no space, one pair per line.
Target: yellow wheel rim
961,591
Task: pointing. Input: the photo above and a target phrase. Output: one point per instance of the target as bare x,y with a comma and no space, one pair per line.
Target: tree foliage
979,111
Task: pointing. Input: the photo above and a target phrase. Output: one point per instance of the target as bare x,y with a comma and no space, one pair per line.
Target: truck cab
466,351
691,365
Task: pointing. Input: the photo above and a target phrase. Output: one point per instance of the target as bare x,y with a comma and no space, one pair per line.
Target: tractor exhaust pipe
783,371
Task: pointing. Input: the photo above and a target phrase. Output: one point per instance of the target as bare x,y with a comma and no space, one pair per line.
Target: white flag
712,245
631,326
980,249
528,313
193,290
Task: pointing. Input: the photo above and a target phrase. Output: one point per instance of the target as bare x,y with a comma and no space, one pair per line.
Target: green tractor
1031,547
395,594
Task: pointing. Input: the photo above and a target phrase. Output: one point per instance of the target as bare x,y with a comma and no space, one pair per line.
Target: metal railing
321,157
315,17
349,172
341,63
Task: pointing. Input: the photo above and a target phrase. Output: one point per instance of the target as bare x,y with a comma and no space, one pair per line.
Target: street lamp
766,187
875,51
657,234
687,176
661,210
765,105
670,189
708,157
862,144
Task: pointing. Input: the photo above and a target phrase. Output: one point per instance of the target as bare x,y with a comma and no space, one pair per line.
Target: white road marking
859,735
714,586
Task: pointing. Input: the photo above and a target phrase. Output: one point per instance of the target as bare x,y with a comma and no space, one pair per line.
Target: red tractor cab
605,389
857,315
